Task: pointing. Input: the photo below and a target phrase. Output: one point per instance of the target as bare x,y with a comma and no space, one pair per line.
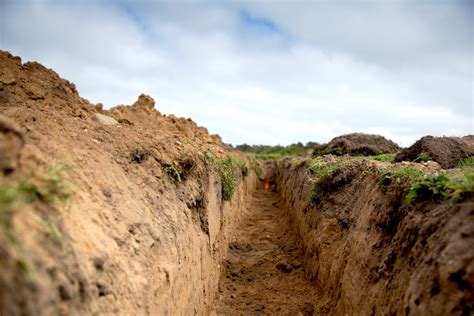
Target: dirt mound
447,151
357,144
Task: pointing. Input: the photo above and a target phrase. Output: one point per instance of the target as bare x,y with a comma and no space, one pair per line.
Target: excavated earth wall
146,224
370,253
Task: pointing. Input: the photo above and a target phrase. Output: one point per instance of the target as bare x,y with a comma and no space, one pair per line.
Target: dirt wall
371,254
145,225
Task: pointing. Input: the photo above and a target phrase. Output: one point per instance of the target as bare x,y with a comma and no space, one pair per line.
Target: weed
466,163
431,186
210,157
241,164
226,171
443,186
229,181
172,172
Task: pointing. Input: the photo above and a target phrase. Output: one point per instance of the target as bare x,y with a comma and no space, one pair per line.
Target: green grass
466,163
225,169
328,151
322,170
399,175
172,172
50,188
442,186
229,181
265,152
390,157
269,156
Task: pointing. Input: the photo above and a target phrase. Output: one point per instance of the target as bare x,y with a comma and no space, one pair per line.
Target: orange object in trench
266,184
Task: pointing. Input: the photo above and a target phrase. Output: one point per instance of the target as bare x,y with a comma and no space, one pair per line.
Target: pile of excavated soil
358,144
447,151
131,236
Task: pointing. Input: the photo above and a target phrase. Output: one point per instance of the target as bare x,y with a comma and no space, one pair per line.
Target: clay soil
263,273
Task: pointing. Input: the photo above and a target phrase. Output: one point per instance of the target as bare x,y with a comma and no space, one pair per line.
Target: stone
104,119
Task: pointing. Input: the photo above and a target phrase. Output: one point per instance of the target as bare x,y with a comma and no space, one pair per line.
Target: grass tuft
172,172
442,186
466,163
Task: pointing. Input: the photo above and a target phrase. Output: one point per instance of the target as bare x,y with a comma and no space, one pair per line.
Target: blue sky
264,71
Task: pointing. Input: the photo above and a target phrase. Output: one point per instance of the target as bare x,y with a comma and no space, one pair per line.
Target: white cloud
320,70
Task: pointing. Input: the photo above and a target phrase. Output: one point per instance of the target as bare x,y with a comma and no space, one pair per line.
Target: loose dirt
263,273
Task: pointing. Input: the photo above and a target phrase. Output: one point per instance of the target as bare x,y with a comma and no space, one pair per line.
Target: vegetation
328,151
49,188
466,163
172,171
399,175
266,152
442,186
390,157
321,171
229,181
226,171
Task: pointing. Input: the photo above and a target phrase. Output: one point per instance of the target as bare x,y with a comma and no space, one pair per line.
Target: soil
447,151
263,273
146,230
359,144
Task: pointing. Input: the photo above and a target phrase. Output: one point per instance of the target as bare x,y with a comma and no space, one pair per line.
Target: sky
264,72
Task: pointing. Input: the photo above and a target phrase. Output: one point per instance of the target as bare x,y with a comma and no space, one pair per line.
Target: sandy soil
263,273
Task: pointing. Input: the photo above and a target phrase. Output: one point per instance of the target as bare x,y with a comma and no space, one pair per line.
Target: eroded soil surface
263,273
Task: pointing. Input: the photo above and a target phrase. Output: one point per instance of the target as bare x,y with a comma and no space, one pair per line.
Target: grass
442,186
229,181
322,170
49,188
399,175
172,172
225,168
269,156
328,151
265,152
390,157
466,163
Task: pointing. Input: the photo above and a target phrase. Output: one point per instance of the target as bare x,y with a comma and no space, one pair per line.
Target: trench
263,273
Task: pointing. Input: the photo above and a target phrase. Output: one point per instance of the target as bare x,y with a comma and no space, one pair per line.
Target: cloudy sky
272,72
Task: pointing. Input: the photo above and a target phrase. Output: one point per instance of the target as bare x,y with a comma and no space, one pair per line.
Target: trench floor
263,274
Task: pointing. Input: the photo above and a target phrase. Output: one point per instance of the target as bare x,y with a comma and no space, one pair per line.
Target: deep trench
263,273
